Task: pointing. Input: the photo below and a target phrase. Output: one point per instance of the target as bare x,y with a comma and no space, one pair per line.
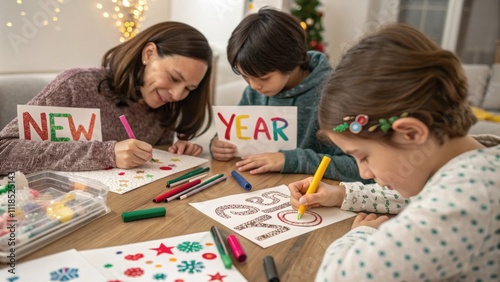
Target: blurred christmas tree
310,17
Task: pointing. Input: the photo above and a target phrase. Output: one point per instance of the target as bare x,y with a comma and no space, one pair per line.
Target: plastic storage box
53,206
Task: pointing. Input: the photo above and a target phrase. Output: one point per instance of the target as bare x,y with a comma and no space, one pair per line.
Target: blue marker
242,181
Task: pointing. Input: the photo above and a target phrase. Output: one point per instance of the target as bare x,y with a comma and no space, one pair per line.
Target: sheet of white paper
124,180
265,217
59,124
64,266
192,257
257,129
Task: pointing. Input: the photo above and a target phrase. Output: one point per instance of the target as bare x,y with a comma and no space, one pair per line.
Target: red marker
168,196
238,252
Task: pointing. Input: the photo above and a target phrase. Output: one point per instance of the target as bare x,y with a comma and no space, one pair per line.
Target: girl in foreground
398,104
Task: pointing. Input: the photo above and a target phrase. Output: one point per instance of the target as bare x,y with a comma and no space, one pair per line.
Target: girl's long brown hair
398,70
126,74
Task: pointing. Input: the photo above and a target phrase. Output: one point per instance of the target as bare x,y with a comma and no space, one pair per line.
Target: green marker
226,260
143,214
210,180
195,172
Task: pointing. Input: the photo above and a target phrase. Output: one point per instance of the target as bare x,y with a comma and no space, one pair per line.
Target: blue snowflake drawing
160,276
190,267
189,247
64,274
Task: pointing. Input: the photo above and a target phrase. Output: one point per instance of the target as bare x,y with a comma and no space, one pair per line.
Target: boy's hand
261,163
132,153
326,195
182,147
222,150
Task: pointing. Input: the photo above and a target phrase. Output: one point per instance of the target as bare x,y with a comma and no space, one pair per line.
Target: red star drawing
217,277
162,249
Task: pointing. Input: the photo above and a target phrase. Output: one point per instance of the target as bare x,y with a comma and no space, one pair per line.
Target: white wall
216,19
344,22
82,35
79,37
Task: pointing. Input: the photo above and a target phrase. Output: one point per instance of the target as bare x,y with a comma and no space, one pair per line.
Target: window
470,28
427,15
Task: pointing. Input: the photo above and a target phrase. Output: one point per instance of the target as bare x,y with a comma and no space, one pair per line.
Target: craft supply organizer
52,206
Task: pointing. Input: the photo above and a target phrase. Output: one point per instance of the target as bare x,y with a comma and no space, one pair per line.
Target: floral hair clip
361,120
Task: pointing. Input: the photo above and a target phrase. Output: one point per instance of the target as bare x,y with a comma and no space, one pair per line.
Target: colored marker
143,214
193,178
127,127
197,171
315,182
24,238
242,181
238,252
226,260
207,181
201,188
165,197
270,268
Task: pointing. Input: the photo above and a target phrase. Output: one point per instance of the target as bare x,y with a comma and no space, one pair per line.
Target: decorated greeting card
64,266
162,165
257,129
265,217
192,257
58,124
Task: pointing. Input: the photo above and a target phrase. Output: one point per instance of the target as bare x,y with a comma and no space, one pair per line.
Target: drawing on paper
265,216
192,257
124,180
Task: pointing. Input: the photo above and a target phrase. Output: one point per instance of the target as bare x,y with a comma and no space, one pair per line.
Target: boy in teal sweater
268,49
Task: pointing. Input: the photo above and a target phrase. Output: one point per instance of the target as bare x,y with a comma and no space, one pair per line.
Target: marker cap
238,252
143,214
242,181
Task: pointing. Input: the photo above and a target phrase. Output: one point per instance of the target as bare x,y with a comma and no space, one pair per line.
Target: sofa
484,93
17,89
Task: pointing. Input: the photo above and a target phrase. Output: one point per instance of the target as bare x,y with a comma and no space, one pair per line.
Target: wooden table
296,259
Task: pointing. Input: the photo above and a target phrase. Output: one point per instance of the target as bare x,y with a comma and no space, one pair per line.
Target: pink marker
127,127
238,252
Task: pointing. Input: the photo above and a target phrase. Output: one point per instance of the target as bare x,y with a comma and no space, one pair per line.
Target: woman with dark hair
159,80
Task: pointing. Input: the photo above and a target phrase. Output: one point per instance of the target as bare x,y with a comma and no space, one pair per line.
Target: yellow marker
315,182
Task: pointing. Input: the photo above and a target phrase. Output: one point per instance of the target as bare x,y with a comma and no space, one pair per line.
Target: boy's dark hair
267,41
394,71
126,74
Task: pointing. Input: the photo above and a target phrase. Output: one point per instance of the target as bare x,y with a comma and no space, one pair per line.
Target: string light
128,15
250,5
37,16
